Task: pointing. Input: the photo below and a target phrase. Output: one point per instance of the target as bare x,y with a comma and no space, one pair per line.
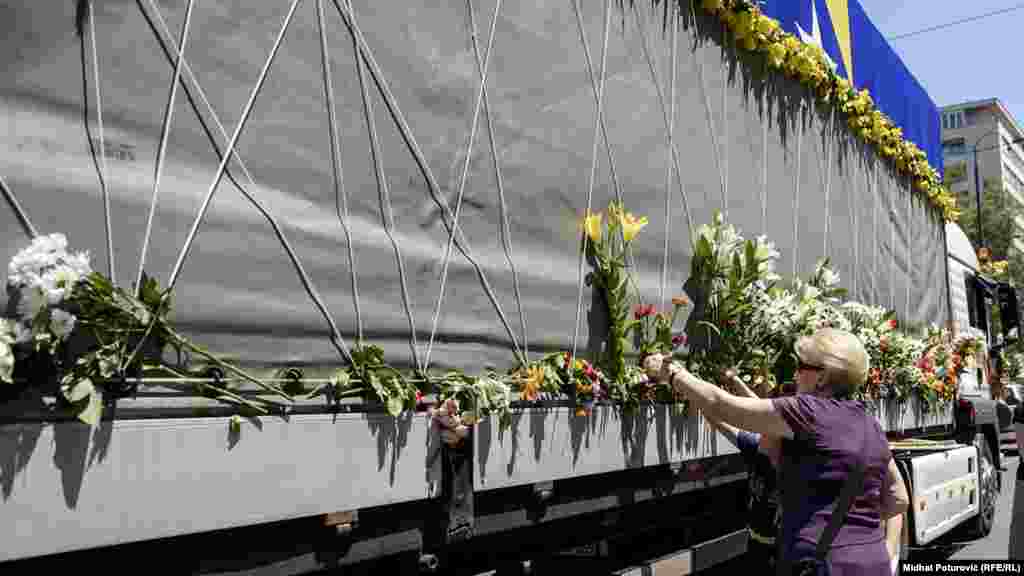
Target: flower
678,340
61,323
643,311
6,352
534,381
631,226
31,301
777,53
592,226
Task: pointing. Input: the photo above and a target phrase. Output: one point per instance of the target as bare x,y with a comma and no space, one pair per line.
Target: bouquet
71,321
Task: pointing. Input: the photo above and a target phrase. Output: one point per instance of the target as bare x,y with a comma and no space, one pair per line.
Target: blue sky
966,62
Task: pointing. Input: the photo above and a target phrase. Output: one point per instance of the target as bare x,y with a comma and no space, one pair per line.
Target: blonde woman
823,434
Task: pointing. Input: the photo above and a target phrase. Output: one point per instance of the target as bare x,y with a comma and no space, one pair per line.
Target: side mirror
1009,313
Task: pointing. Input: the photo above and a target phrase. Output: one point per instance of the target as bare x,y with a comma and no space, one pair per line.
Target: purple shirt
829,435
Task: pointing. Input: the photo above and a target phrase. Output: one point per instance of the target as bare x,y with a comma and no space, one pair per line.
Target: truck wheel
987,488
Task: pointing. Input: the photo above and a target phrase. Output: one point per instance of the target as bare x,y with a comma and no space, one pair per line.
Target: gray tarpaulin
758,147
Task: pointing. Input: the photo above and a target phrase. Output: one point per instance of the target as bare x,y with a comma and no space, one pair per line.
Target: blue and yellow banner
862,55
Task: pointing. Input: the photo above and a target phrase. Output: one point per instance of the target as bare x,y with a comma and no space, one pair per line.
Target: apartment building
988,126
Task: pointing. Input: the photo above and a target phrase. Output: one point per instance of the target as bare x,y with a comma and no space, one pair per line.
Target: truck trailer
321,174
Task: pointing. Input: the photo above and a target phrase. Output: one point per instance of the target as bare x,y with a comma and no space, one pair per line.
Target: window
953,120
954,147
972,302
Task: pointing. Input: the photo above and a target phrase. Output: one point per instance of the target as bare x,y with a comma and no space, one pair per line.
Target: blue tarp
876,66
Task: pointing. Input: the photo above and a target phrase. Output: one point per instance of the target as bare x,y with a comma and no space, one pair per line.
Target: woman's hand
654,366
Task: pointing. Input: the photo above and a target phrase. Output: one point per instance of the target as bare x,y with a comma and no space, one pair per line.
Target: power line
957,22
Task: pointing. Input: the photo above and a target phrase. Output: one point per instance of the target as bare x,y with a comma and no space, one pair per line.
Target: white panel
158,478
546,445
945,491
910,415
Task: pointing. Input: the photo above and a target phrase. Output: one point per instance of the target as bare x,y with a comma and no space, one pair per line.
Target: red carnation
643,311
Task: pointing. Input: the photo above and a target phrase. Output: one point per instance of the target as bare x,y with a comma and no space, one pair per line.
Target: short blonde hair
840,354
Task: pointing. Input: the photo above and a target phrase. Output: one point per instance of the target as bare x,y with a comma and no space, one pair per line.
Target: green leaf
710,326
394,406
235,425
92,410
77,391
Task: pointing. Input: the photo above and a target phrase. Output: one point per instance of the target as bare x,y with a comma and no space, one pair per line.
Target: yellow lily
631,226
592,226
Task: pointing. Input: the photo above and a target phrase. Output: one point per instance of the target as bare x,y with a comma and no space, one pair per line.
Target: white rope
593,90
711,130
725,135
421,162
892,245
504,229
161,154
22,216
828,184
384,196
307,283
664,114
668,175
465,167
246,111
796,192
856,244
909,242
604,128
876,203
340,193
103,147
593,171
764,166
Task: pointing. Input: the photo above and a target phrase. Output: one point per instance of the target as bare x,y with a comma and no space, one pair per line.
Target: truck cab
965,452
971,295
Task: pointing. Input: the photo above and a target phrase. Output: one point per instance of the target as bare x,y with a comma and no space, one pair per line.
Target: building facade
985,125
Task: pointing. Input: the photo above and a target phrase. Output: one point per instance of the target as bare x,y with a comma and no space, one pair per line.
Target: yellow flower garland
756,32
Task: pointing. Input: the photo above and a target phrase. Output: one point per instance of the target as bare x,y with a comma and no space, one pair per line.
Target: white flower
6,353
61,323
30,302
6,362
22,333
828,277
32,265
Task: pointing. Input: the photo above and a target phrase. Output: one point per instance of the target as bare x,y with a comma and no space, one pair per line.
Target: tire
988,489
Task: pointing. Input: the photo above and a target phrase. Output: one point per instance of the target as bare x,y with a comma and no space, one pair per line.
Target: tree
999,210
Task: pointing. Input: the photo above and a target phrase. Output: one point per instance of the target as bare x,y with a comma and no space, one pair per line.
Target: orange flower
534,380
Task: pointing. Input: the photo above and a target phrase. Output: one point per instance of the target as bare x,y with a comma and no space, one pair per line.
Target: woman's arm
895,500
730,432
753,414
741,387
